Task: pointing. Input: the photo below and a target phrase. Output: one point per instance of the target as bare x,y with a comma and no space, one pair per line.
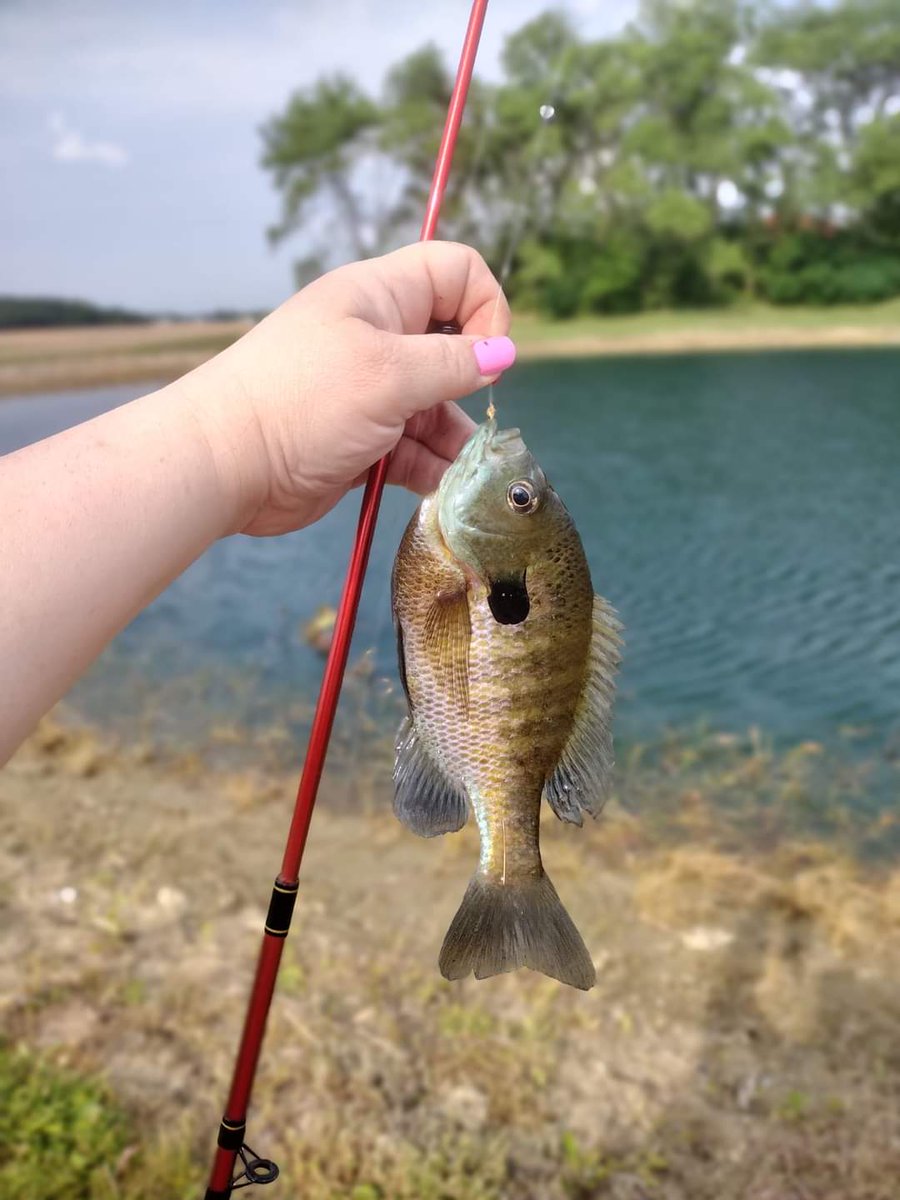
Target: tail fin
500,927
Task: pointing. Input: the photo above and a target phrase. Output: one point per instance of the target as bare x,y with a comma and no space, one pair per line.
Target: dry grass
54,359
743,1038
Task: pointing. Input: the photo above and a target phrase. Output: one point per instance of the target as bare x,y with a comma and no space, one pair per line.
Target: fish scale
507,659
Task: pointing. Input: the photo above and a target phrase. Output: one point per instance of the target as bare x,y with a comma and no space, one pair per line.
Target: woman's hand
343,373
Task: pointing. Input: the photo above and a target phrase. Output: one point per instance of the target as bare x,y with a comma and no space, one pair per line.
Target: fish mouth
489,451
507,440
489,442
487,445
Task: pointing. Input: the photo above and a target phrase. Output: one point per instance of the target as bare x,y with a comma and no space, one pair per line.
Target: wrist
229,443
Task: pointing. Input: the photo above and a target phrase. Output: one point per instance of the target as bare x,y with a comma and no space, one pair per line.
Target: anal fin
582,776
426,799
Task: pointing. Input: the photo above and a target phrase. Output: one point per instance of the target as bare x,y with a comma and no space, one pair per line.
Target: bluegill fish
507,658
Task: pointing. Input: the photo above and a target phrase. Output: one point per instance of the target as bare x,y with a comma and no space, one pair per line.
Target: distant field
47,359
44,360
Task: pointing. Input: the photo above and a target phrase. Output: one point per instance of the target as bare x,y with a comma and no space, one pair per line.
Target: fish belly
524,683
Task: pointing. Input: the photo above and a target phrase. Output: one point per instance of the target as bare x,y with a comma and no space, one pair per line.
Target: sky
129,132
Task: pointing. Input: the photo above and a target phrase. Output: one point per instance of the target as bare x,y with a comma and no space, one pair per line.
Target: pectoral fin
426,799
447,634
582,776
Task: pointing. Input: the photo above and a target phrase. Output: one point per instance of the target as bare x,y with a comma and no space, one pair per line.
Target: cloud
71,147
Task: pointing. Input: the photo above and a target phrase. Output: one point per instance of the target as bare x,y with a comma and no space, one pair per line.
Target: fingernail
494,354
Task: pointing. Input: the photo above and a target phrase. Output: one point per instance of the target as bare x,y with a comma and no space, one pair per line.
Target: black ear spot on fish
508,601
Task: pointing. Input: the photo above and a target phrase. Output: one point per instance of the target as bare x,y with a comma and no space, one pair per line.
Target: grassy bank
743,1038
750,327
43,360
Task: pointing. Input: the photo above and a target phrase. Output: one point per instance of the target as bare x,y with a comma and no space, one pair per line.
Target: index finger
445,281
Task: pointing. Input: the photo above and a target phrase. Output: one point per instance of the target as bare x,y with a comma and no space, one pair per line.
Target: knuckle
450,362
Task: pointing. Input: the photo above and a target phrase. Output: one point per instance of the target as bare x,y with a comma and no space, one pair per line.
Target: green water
742,512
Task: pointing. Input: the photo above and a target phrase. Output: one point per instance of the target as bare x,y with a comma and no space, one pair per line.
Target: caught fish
507,658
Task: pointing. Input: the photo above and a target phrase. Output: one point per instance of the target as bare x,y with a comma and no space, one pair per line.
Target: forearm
95,523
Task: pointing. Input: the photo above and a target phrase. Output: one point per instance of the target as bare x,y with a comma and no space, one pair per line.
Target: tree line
42,312
713,151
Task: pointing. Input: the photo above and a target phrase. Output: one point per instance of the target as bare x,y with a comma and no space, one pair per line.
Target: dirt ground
743,1039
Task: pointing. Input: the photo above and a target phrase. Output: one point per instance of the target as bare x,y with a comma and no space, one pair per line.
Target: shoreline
67,359
741,1039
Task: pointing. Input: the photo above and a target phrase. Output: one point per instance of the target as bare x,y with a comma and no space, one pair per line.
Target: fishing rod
231,1141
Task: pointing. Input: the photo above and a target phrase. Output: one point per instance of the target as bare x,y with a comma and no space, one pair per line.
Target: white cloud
70,146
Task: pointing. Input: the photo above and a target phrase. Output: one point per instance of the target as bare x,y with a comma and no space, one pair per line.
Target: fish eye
521,496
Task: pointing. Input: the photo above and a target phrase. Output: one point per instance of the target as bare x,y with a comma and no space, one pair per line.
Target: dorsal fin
582,776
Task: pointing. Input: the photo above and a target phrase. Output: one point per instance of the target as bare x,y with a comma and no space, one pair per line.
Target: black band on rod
231,1134
281,909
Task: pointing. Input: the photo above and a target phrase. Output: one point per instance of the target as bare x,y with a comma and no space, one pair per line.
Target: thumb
433,367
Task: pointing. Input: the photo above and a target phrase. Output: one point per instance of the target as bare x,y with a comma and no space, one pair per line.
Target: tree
712,149
312,150
875,178
416,93
839,67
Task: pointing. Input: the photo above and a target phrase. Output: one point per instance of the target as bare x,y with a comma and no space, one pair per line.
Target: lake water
741,511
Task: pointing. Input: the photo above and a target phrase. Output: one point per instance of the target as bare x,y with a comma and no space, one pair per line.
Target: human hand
343,373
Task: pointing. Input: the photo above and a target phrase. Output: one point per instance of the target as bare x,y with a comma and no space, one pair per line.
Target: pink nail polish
494,354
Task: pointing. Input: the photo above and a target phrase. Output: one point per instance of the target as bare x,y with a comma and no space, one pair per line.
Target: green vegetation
715,151
64,1136
748,324
42,312
60,1136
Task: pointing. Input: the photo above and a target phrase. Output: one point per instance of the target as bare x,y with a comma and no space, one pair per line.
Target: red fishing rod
232,1131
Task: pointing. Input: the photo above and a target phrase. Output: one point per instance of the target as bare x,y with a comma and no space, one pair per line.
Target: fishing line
546,112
